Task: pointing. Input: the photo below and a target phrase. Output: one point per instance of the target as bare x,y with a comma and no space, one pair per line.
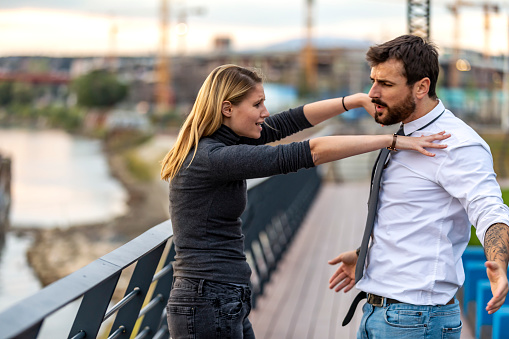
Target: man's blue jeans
202,309
401,320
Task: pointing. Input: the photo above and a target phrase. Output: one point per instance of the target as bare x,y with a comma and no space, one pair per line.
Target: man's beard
395,114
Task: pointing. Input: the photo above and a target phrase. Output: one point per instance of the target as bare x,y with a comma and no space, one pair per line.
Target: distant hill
294,45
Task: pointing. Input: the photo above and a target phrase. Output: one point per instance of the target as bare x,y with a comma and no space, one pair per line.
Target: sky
74,28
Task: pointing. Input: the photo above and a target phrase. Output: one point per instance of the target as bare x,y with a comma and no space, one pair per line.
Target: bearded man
420,228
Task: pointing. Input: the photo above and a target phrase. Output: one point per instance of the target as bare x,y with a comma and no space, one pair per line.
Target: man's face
392,97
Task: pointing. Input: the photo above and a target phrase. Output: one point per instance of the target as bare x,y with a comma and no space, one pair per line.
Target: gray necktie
372,207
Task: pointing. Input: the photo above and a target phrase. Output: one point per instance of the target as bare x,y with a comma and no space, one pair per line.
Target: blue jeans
201,309
401,320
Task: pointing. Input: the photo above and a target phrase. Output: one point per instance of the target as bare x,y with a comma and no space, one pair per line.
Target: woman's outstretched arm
319,111
326,149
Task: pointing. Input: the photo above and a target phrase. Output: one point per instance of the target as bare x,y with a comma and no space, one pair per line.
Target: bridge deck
297,302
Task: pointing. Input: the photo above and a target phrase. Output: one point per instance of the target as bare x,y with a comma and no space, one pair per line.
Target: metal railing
276,208
5,193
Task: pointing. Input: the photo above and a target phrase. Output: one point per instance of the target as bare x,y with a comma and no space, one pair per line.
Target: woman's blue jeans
401,320
201,309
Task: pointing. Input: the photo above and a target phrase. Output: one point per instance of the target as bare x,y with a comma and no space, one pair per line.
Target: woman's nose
265,112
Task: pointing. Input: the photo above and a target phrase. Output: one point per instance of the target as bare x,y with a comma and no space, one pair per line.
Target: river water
58,180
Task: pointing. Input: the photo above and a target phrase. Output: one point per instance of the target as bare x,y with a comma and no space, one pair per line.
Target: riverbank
56,252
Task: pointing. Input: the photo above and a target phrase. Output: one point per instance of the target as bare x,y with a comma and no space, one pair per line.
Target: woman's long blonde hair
225,83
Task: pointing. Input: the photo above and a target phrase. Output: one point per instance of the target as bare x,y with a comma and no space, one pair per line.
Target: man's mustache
378,102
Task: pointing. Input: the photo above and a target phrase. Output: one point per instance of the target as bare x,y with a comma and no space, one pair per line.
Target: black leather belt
374,300
379,301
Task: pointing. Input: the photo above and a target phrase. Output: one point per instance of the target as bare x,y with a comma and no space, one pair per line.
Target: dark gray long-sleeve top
208,197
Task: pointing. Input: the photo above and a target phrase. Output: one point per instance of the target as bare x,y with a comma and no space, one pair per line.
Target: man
425,207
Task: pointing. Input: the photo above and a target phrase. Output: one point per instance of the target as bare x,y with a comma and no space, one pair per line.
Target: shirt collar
226,135
414,125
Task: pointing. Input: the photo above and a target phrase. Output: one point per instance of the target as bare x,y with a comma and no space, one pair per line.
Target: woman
219,146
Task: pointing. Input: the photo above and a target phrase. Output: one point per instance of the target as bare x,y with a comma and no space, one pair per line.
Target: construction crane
454,8
112,45
308,52
163,90
182,27
488,8
418,12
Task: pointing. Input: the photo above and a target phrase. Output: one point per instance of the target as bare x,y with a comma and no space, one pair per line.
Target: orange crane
163,90
488,8
112,42
308,53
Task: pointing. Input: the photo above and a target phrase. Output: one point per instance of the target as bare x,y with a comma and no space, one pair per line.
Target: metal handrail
276,207
26,317
165,270
151,305
122,303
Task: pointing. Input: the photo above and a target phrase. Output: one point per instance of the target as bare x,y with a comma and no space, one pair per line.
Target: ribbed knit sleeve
239,162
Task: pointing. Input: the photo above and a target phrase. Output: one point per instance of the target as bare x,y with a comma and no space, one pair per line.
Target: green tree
5,93
22,93
99,89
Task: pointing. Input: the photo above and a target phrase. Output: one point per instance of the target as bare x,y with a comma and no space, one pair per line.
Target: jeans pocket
231,309
452,332
405,318
181,321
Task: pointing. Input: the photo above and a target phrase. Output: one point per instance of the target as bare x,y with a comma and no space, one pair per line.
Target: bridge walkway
297,303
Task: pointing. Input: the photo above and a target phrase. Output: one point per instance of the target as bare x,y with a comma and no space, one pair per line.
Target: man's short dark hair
419,58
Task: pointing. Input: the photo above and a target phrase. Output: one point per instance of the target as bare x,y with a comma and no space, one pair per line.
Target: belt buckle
376,300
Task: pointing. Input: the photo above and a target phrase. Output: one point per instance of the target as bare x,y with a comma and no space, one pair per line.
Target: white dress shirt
425,209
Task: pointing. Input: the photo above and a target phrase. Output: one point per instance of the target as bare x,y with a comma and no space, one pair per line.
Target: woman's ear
226,109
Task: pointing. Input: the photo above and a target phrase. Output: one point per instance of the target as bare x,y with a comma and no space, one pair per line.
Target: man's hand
496,248
499,285
345,274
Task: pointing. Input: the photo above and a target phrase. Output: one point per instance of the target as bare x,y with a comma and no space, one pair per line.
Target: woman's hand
419,143
360,100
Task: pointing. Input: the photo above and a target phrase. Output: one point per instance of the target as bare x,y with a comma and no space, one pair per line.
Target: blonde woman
220,145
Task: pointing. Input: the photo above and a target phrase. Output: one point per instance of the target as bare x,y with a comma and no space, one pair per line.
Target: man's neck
423,107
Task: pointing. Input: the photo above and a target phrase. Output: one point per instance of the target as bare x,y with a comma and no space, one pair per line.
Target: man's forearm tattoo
496,243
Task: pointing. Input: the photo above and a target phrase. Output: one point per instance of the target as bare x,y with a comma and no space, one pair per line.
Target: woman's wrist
343,103
394,140
354,101
348,102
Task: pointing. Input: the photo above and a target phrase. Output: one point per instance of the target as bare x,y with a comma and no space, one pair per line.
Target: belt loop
200,287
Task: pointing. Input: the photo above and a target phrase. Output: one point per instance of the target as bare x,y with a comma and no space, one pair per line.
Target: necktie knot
400,130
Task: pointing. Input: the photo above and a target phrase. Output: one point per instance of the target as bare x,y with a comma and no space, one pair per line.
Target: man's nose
374,92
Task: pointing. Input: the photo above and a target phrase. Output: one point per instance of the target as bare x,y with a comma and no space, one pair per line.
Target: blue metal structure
276,208
418,18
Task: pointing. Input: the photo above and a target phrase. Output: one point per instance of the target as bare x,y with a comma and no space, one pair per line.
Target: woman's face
246,118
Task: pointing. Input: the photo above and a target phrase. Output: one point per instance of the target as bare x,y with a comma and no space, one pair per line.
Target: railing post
152,319
93,307
145,267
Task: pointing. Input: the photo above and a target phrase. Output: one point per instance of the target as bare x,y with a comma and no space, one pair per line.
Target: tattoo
496,243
